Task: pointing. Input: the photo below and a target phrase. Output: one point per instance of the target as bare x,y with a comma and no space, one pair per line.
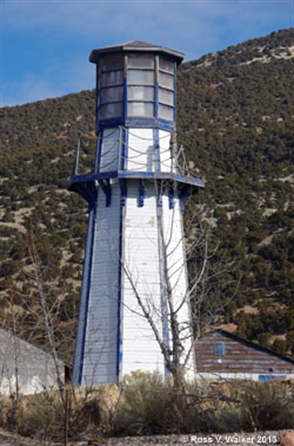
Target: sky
45,44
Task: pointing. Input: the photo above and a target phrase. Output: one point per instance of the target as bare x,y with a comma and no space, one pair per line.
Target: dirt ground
269,438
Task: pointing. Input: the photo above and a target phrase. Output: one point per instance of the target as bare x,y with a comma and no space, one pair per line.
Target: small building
220,354
25,368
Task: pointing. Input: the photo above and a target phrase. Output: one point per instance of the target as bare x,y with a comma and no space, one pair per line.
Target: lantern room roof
136,46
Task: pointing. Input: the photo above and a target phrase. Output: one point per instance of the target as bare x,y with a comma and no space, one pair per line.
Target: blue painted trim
87,189
166,125
156,105
182,198
141,193
156,150
181,180
107,189
135,122
123,188
171,198
119,338
270,378
109,123
125,98
150,123
84,298
99,151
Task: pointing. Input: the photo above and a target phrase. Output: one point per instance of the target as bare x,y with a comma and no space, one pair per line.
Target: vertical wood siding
165,152
114,317
141,259
109,159
100,356
177,272
140,156
82,319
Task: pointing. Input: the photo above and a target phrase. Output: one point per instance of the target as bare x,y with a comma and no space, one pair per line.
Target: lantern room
136,85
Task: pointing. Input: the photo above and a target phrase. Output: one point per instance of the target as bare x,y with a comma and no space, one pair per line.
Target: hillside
235,121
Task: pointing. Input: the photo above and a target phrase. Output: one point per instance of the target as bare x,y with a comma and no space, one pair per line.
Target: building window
219,348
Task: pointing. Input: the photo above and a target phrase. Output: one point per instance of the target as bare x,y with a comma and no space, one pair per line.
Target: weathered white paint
244,376
25,368
143,155
166,157
140,150
142,271
174,250
134,251
110,150
145,252
99,362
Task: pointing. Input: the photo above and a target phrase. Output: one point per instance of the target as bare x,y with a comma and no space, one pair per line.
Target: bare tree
47,312
34,314
212,285
214,276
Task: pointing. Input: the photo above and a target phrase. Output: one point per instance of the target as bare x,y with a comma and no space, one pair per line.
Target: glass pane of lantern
111,94
112,62
141,62
140,77
166,65
109,111
141,109
141,93
166,112
165,80
166,96
112,78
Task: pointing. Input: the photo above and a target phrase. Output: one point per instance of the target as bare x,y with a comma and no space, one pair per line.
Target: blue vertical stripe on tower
156,104
119,347
123,141
99,151
119,296
156,149
85,294
125,96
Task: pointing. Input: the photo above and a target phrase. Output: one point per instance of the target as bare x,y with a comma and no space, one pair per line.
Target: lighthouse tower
134,268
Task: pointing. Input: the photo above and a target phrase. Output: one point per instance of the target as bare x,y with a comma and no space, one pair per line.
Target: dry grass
144,404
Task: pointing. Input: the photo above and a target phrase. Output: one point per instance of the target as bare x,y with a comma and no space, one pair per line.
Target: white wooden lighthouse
134,268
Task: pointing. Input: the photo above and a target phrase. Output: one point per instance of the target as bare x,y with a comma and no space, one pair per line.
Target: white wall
25,366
